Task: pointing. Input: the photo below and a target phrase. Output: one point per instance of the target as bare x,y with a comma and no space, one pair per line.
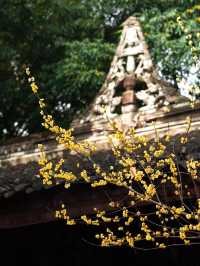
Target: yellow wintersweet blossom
184,140
34,87
150,190
147,173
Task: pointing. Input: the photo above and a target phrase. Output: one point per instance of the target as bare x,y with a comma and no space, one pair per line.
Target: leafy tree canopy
69,45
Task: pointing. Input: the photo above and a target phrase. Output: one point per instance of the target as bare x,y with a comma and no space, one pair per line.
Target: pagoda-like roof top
133,94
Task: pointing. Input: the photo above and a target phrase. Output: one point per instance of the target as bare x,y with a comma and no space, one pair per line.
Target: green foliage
171,51
77,77
69,46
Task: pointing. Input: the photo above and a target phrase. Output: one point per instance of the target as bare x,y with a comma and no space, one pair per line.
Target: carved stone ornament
132,59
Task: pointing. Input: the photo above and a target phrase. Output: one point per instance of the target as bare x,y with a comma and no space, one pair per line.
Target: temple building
133,95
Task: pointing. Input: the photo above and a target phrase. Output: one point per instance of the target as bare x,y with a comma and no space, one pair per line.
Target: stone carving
107,101
132,57
158,94
134,48
130,50
128,96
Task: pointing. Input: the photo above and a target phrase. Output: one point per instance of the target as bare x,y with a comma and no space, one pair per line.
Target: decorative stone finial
132,63
131,21
128,96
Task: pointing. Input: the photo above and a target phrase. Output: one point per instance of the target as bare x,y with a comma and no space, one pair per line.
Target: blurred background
69,44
